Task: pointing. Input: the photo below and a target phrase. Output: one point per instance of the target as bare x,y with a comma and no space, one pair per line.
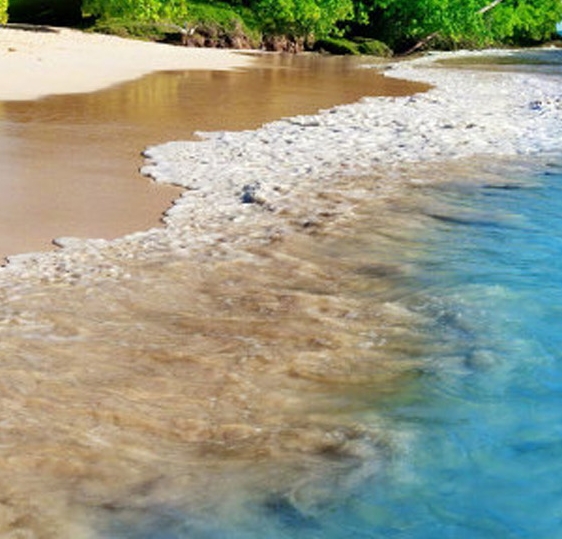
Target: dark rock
248,195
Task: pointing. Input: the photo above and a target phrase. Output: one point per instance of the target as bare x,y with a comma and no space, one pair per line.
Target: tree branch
421,43
489,7
427,39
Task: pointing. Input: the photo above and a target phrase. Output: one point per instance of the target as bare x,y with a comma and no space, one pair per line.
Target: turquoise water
487,419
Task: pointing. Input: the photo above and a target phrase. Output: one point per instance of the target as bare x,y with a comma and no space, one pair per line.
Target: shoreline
231,344
506,114
500,114
49,60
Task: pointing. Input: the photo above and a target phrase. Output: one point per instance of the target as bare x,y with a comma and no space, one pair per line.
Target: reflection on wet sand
69,162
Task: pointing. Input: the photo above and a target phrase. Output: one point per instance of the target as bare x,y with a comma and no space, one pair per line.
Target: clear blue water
487,418
487,457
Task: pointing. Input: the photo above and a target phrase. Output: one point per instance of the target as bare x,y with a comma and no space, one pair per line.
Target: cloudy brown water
180,388
69,163
206,389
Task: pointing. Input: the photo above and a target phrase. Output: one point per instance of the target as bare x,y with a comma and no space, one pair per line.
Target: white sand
63,61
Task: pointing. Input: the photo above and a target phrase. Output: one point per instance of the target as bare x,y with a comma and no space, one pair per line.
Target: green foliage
528,22
149,31
401,23
222,24
373,47
137,10
342,46
221,14
3,11
210,23
302,18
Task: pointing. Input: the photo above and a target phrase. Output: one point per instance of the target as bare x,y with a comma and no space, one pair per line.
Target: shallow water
539,60
442,417
207,392
156,391
69,163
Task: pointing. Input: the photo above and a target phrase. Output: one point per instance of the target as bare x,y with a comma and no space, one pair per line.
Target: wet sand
45,61
54,148
71,162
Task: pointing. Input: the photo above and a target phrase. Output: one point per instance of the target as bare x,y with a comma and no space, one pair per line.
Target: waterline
267,341
70,163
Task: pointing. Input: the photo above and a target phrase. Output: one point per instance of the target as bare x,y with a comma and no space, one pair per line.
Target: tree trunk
421,43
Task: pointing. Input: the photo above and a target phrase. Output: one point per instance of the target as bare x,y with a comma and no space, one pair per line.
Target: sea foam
466,113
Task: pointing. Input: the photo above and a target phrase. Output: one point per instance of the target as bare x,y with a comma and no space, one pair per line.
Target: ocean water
484,457
477,434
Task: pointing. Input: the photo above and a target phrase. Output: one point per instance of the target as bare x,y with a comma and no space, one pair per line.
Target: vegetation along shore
380,27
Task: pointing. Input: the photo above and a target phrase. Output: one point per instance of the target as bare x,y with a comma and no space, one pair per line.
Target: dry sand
44,61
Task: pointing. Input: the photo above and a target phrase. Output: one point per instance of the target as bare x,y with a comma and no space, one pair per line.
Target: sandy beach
46,61
232,357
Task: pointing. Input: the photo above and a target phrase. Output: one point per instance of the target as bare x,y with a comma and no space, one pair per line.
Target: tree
139,10
402,23
524,22
302,18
